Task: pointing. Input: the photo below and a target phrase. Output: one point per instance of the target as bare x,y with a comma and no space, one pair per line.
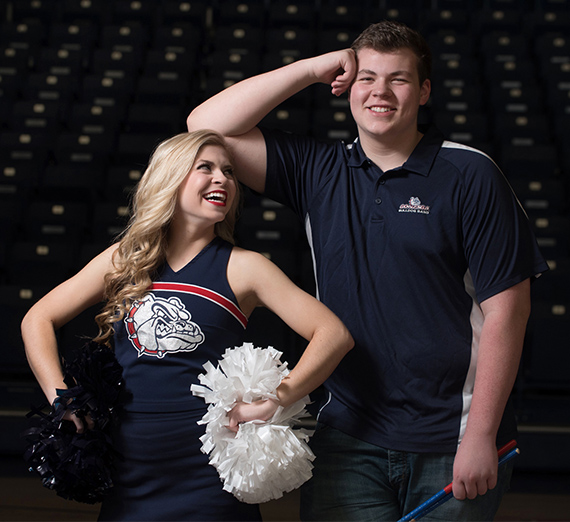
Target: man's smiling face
386,94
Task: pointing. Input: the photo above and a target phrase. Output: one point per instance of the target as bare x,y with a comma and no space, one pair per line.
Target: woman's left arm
500,347
258,282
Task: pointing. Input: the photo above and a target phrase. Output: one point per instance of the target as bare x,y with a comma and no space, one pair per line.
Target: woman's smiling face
209,189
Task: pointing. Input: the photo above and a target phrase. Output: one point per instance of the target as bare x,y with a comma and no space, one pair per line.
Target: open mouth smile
381,109
216,198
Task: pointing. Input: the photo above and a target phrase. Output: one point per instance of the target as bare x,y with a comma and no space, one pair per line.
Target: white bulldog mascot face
158,326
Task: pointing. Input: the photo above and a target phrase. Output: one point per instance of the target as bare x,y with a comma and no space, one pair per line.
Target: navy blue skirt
163,475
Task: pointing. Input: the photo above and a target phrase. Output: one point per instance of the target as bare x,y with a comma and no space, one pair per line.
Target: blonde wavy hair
142,245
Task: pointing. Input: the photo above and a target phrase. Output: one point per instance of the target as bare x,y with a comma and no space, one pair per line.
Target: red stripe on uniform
219,299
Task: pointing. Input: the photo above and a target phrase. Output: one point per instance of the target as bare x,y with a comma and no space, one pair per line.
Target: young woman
178,293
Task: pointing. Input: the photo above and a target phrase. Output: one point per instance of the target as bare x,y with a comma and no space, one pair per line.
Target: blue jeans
354,480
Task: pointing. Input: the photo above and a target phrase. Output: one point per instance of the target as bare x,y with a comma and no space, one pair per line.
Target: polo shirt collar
421,159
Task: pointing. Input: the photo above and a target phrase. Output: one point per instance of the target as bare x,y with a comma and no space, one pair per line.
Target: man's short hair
388,36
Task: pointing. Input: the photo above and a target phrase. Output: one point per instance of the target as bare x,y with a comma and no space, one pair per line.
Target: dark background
88,89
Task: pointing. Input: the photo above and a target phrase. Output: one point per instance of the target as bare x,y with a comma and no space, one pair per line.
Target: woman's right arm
52,311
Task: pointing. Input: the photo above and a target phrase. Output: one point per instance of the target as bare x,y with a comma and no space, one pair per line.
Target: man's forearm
239,108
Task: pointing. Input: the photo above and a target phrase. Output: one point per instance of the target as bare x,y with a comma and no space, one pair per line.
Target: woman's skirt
163,475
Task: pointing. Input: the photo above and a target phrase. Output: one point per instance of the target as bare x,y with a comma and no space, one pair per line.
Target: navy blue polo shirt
404,258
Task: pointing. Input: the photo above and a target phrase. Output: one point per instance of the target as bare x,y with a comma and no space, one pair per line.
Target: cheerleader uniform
189,317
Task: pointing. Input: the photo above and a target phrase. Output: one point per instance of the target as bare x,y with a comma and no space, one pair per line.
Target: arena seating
88,88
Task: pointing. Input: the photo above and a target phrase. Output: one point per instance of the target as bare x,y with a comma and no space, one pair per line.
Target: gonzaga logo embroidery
414,205
157,326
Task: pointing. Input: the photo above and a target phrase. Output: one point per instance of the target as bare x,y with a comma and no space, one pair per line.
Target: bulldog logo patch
158,326
415,206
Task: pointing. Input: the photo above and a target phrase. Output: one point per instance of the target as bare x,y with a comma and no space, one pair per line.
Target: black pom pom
78,466
94,381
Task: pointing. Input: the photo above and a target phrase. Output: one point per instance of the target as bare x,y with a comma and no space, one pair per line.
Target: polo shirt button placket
378,199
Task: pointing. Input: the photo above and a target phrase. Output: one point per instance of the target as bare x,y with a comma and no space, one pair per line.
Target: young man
423,251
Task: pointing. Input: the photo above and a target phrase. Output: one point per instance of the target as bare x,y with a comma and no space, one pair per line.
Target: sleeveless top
189,317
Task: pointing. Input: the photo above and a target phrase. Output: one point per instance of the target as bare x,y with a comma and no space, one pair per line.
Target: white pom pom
264,459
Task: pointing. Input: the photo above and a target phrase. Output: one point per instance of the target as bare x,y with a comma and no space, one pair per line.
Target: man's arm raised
236,111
